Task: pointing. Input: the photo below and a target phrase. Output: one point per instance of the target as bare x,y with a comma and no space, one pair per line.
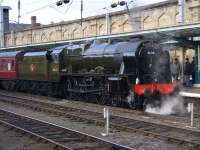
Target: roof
115,48
181,31
57,50
41,53
15,26
9,54
6,7
58,47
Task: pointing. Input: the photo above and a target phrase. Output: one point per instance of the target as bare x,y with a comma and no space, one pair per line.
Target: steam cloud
170,105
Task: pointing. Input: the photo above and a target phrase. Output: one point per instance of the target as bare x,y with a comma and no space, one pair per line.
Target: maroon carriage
8,68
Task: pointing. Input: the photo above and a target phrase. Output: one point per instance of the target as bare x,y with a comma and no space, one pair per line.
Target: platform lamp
122,3
59,3
114,5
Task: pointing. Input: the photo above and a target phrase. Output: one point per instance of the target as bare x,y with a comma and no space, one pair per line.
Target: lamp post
181,6
114,5
60,2
136,21
19,9
107,20
121,3
1,26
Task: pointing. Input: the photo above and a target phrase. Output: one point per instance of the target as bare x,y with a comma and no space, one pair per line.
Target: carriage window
12,63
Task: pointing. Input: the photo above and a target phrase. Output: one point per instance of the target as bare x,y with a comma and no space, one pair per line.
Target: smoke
170,105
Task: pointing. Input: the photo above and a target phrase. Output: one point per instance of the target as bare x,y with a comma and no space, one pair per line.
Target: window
55,58
77,51
12,63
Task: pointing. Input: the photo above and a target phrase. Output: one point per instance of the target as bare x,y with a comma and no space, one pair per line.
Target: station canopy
181,35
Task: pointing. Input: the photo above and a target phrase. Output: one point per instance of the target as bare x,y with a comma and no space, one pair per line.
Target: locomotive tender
132,73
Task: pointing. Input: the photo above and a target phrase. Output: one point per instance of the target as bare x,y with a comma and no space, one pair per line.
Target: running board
85,91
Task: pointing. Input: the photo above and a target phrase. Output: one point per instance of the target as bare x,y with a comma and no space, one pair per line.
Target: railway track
62,138
165,132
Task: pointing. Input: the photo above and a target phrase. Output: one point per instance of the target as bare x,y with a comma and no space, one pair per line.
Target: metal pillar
197,66
19,10
183,63
1,27
12,38
81,12
191,111
106,116
181,6
107,21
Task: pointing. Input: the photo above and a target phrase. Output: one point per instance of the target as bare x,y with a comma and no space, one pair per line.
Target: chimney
33,21
5,17
4,23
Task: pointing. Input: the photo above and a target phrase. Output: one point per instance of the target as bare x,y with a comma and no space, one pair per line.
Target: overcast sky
46,10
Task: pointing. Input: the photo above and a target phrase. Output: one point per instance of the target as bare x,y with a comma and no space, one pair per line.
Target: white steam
170,105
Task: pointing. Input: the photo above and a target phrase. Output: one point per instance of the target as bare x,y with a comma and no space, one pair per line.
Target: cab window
55,58
77,51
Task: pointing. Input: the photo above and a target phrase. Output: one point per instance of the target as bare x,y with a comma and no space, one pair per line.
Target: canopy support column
197,66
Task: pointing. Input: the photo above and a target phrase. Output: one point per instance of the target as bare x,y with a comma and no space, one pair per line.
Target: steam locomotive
133,73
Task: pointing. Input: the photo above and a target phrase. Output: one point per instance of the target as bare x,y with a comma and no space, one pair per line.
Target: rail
166,132
59,136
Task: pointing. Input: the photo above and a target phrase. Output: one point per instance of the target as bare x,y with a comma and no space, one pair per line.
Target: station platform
193,92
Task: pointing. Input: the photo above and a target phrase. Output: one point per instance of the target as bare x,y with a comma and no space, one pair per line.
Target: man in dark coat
187,72
192,67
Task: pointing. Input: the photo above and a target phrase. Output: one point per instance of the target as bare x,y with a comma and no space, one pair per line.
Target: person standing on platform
175,69
192,67
187,72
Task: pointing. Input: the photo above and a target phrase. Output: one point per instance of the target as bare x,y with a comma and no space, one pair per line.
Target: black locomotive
130,73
